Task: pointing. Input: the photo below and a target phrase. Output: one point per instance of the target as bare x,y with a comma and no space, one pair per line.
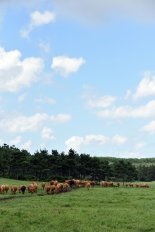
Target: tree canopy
45,165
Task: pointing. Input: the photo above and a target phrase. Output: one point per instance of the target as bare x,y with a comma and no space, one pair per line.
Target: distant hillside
135,161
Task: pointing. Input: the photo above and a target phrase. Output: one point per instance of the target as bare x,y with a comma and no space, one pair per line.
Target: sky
78,74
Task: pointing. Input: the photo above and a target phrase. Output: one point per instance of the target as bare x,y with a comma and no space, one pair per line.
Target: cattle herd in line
55,187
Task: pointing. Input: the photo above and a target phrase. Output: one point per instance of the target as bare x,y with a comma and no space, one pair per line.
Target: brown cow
48,188
35,186
43,185
2,189
31,188
144,186
53,182
92,183
22,189
14,189
52,188
59,188
88,185
66,187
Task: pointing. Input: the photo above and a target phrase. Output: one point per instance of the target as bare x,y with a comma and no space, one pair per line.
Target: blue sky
78,74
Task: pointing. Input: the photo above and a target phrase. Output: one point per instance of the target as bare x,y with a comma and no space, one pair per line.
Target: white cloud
150,127
10,2
45,100
128,94
119,140
101,139
140,145
61,118
90,11
38,19
101,102
47,133
145,111
44,46
21,98
65,65
27,145
76,142
16,141
146,86
16,73
22,123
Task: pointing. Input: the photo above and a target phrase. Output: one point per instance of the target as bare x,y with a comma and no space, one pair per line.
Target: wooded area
42,165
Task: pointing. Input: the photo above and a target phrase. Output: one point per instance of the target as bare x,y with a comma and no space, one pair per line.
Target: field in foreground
97,210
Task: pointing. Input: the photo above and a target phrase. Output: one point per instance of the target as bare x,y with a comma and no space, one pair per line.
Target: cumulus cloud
75,142
65,65
44,46
16,73
26,145
90,11
150,127
144,111
119,140
16,141
128,94
47,133
22,97
98,11
140,145
22,123
146,86
45,100
38,19
101,102
61,118
10,2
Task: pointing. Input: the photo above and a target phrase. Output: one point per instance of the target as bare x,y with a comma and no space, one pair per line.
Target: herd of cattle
112,184
55,187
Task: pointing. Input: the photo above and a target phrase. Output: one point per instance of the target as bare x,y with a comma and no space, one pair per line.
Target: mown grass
95,210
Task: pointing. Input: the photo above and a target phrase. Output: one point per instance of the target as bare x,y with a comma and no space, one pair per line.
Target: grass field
97,210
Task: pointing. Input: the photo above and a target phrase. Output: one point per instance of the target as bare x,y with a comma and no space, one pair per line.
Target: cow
52,189
43,185
59,188
48,189
104,184
92,183
88,185
71,183
66,187
53,182
35,186
31,188
2,189
22,189
14,189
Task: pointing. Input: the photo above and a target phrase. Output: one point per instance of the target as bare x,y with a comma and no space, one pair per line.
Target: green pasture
95,210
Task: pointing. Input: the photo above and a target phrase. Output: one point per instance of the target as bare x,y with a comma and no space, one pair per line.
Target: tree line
45,165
